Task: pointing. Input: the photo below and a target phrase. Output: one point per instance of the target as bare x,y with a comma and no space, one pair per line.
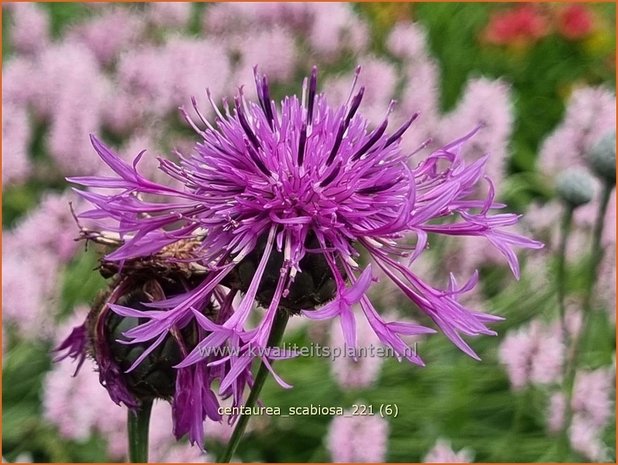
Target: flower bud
575,187
136,284
155,377
602,158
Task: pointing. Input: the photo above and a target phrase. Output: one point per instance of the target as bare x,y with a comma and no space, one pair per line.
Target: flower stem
276,333
597,245
591,275
565,231
138,422
573,356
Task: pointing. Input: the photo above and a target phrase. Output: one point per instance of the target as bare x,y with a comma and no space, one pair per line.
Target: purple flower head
283,200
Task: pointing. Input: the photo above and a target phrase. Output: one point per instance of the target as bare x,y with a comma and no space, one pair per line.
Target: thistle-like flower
280,202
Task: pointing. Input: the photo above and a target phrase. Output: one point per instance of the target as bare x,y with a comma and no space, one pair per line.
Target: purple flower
283,200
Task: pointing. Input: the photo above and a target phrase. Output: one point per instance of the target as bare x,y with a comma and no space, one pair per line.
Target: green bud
602,158
575,187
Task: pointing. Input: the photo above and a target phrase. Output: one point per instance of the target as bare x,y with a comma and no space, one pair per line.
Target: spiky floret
303,179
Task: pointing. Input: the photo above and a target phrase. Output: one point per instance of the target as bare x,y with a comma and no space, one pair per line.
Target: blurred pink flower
376,97
109,34
592,409
49,75
592,395
488,103
337,28
226,18
20,80
29,30
420,94
159,79
533,354
586,439
442,452
363,372
331,28
34,253
52,217
298,16
555,412
361,439
144,82
273,49
407,41
71,101
169,14
590,115
73,121
30,289
195,66
120,114
223,18
16,132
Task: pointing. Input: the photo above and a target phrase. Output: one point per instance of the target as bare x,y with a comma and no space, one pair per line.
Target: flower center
312,287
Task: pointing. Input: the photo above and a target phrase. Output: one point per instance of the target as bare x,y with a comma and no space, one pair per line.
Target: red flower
522,24
575,22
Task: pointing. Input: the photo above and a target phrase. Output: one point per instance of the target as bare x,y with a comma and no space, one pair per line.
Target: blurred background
540,77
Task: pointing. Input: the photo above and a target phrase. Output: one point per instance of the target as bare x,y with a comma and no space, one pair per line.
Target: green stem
597,245
573,356
593,268
138,422
276,333
565,231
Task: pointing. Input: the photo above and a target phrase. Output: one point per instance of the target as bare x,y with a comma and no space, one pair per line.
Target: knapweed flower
279,203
